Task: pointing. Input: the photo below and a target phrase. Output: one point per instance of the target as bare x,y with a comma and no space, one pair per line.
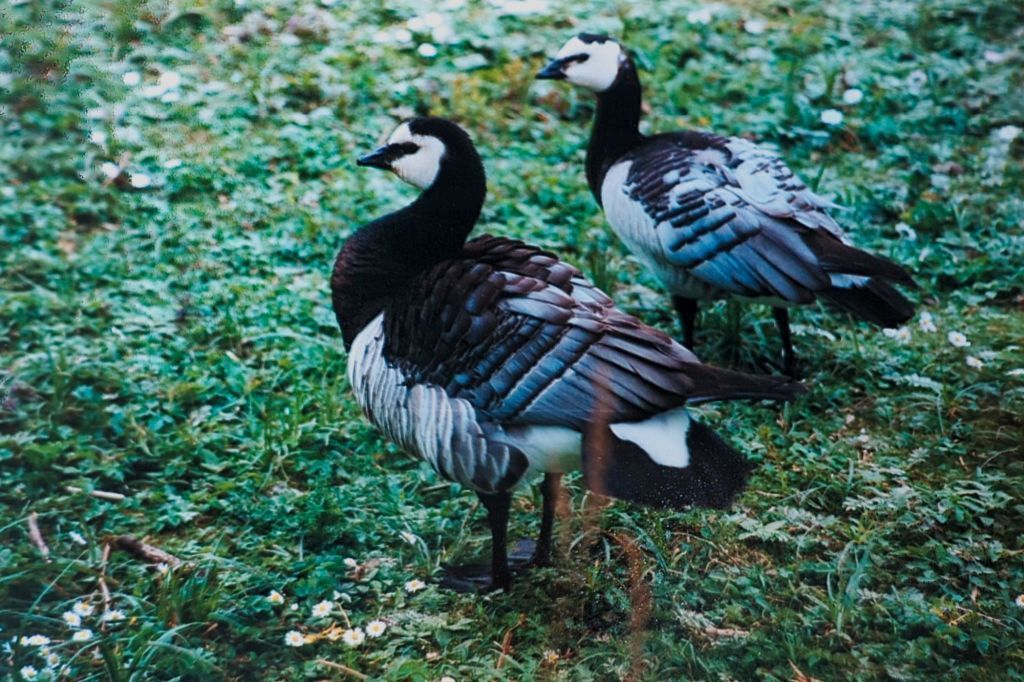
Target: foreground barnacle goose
716,216
493,360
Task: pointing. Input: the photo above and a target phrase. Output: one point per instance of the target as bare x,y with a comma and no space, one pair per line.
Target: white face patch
419,168
599,70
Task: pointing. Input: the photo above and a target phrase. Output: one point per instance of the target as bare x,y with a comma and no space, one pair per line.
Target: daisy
414,585
171,164
447,678
83,635
322,609
973,362
1008,133
755,27
831,117
169,79
35,640
52,660
28,673
853,96
83,609
927,323
354,637
375,628
704,15
131,78
958,339
402,35
1019,601
98,137
72,619
110,169
902,334
427,50
141,181
550,657
275,597
113,615
294,638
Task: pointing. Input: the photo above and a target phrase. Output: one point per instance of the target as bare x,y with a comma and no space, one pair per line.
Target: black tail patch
875,301
619,468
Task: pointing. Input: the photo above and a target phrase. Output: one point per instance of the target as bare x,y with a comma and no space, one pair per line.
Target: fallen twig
145,551
103,583
506,642
101,494
37,536
343,668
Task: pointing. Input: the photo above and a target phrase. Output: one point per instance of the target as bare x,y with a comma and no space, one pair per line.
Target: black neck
616,126
381,260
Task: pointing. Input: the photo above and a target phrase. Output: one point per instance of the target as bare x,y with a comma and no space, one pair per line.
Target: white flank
662,437
554,449
599,70
421,167
636,228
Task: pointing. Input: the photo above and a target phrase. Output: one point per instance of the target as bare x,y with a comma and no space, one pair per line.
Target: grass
173,344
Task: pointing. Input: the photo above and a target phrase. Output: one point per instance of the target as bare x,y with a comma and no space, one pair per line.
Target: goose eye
406,148
579,58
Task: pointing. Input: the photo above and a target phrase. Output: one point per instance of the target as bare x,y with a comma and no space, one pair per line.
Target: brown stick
37,536
145,551
343,668
506,642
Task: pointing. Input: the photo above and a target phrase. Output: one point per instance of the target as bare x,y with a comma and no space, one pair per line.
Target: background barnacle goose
492,359
717,216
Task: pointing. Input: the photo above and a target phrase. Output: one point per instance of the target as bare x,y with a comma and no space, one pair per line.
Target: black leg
781,316
480,577
686,308
550,489
497,506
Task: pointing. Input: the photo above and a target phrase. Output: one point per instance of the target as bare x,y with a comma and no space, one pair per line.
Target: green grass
175,344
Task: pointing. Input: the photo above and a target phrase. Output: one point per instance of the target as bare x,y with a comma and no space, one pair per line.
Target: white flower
294,607
973,362
28,673
35,640
95,113
1008,133
443,34
958,339
353,637
1017,372
52,660
376,628
704,15
427,50
381,37
161,567
416,25
755,27
72,619
1019,601
131,78
275,597
906,231
294,638
322,609
141,181
916,81
75,536
927,323
350,562
853,96
402,35
169,79
171,164
170,97
113,615
902,334
447,678
151,91
453,4
414,585
110,169
520,8
98,137
756,54
82,608
831,117
551,657
83,635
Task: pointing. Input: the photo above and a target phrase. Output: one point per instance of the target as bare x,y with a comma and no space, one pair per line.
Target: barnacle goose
717,216
493,360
